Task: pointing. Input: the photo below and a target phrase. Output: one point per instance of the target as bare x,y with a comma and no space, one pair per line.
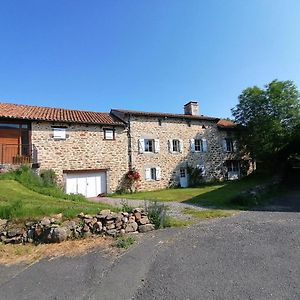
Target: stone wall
170,163
83,149
54,229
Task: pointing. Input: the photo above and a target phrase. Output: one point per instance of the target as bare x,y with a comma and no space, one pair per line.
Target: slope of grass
16,201
208,213
217,195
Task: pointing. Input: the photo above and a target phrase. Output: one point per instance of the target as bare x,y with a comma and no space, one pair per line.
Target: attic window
59,133
109,134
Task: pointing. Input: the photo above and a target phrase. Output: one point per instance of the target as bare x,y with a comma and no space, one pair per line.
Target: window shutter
147,173
156,146
204,145
180,146
141,145
158,173
171,146
224,145
192,145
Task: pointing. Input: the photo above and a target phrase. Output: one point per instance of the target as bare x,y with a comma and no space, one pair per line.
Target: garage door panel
87,184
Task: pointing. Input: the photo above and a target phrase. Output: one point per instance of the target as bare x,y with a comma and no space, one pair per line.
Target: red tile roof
168,115
39,113
226,124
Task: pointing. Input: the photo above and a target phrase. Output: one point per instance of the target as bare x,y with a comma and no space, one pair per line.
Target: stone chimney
191,108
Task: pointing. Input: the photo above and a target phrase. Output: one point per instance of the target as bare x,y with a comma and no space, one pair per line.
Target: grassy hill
16,201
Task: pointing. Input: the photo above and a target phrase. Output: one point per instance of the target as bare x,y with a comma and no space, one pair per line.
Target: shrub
195,176
126,207
48,177
44,184
157,214
125,242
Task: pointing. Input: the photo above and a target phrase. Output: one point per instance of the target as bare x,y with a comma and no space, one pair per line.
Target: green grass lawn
16,201
217,195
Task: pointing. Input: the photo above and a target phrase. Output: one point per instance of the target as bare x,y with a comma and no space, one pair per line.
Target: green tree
268,118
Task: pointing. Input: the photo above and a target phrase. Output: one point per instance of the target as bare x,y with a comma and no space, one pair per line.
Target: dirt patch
14,254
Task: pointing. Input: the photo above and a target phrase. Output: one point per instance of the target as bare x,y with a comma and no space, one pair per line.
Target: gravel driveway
253,255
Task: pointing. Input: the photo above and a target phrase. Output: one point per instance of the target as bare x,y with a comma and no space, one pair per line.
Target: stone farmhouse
92,151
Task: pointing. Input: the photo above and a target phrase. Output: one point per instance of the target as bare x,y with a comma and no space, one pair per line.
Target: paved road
253,255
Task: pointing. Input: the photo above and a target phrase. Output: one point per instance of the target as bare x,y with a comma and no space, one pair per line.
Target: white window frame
144,146
59,133
111,136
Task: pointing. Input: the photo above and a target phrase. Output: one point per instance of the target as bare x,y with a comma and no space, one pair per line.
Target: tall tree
269,117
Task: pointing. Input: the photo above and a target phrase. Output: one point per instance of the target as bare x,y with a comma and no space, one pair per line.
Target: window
109,134
176,145
233,166
228,145
149,146
182,173
59,133
199,145
152,173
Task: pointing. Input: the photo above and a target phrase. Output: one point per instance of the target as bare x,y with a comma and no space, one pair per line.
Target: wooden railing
17,154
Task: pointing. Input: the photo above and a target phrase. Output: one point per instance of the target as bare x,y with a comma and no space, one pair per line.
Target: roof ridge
58,108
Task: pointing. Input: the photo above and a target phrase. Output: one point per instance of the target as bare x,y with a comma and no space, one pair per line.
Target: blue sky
145,55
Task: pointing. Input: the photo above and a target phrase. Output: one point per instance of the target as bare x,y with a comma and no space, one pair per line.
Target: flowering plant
132,177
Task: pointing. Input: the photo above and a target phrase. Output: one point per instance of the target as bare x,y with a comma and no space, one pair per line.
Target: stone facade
83,149
170,163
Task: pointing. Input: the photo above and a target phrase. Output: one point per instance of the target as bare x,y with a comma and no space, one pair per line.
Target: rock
97,227
105,212
29,224
131,219
131,227
137,215
57,217
110,226
70,225
3,223
146,228
45,221
125,214
144,221
14,232
112,232
138,210
125,220
59,234
111,216
85,228
122,231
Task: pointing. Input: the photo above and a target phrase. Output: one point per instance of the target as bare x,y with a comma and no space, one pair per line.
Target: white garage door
87,184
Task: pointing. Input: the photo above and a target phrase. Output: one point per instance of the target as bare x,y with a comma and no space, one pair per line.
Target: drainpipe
129,145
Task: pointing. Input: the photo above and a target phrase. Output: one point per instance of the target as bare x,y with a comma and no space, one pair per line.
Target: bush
48,177
157,214
126,207
44,184
125,242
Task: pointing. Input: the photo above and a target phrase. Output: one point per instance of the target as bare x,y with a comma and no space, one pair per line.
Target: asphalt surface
253,255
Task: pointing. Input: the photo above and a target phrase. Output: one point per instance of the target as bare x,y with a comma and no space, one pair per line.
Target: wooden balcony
17,154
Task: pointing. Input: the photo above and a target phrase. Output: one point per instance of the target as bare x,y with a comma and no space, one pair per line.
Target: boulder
105,212
144,221
138,216
45,221
59,234
146,228
131,227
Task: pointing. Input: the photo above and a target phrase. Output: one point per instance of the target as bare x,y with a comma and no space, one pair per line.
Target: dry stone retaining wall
53,230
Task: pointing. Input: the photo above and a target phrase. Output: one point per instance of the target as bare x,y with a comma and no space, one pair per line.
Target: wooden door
9,144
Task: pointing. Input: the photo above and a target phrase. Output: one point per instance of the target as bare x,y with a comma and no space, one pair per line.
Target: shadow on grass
281,198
